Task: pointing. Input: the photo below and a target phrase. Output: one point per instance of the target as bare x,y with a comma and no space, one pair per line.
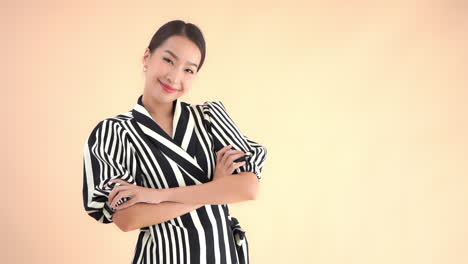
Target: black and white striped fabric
134,148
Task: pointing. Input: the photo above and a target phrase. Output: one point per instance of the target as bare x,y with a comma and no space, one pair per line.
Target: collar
174,146
141,114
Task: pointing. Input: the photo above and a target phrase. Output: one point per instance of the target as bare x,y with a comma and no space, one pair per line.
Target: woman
169,168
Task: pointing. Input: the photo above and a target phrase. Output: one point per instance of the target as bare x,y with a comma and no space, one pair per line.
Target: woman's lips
167,88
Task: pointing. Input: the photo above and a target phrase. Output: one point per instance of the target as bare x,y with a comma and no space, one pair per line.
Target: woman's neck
157,110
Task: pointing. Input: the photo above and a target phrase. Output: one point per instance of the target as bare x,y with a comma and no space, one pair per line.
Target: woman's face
174,63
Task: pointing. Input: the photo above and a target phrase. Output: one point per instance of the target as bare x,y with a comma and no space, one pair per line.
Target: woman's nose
173,77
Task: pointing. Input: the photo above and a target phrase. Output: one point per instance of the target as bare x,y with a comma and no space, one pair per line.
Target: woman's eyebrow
172,53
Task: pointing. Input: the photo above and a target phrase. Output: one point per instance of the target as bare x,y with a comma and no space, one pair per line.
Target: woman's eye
170,61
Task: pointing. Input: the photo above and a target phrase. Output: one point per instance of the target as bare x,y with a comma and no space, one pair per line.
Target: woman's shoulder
114,120
209,109
110,125
208,105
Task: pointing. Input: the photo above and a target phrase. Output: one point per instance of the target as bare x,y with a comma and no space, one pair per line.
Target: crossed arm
181,200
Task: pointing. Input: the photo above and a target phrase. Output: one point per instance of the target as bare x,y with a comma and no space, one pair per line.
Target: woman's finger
223,149
116,190
119,196
127,204
113,193
227,154
221,152
229,157
115,199
122,182
235,165
234,156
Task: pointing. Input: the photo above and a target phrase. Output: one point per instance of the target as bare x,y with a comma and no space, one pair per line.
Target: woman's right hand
225,164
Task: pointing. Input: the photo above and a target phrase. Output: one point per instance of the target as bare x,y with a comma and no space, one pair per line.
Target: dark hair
179,28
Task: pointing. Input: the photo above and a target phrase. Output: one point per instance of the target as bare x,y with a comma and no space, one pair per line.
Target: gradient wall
361,104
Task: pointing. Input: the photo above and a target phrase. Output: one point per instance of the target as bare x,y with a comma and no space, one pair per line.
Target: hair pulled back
179,28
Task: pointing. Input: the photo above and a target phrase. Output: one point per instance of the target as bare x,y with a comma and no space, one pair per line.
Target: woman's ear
145,57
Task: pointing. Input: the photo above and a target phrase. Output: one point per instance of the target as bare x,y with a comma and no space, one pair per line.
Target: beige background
361,104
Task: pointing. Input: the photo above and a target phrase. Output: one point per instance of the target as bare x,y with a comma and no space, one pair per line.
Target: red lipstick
167,88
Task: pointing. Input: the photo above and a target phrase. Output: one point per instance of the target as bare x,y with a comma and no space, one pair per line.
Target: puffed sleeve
106,156
225,132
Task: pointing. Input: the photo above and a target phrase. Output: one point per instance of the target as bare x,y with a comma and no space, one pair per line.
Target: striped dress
132,147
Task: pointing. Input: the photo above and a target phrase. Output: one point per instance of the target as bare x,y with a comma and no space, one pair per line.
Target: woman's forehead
181,48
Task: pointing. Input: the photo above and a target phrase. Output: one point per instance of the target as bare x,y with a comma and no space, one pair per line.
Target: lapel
174,146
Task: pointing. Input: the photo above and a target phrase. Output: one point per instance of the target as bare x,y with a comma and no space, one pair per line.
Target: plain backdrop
361,105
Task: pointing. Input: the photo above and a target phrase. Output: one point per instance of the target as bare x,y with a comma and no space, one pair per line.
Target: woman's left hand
137,194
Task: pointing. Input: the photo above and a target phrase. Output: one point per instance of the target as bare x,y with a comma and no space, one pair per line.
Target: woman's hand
137,194
225,164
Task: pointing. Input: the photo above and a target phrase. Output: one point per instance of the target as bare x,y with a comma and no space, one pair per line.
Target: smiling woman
171,68
170,168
